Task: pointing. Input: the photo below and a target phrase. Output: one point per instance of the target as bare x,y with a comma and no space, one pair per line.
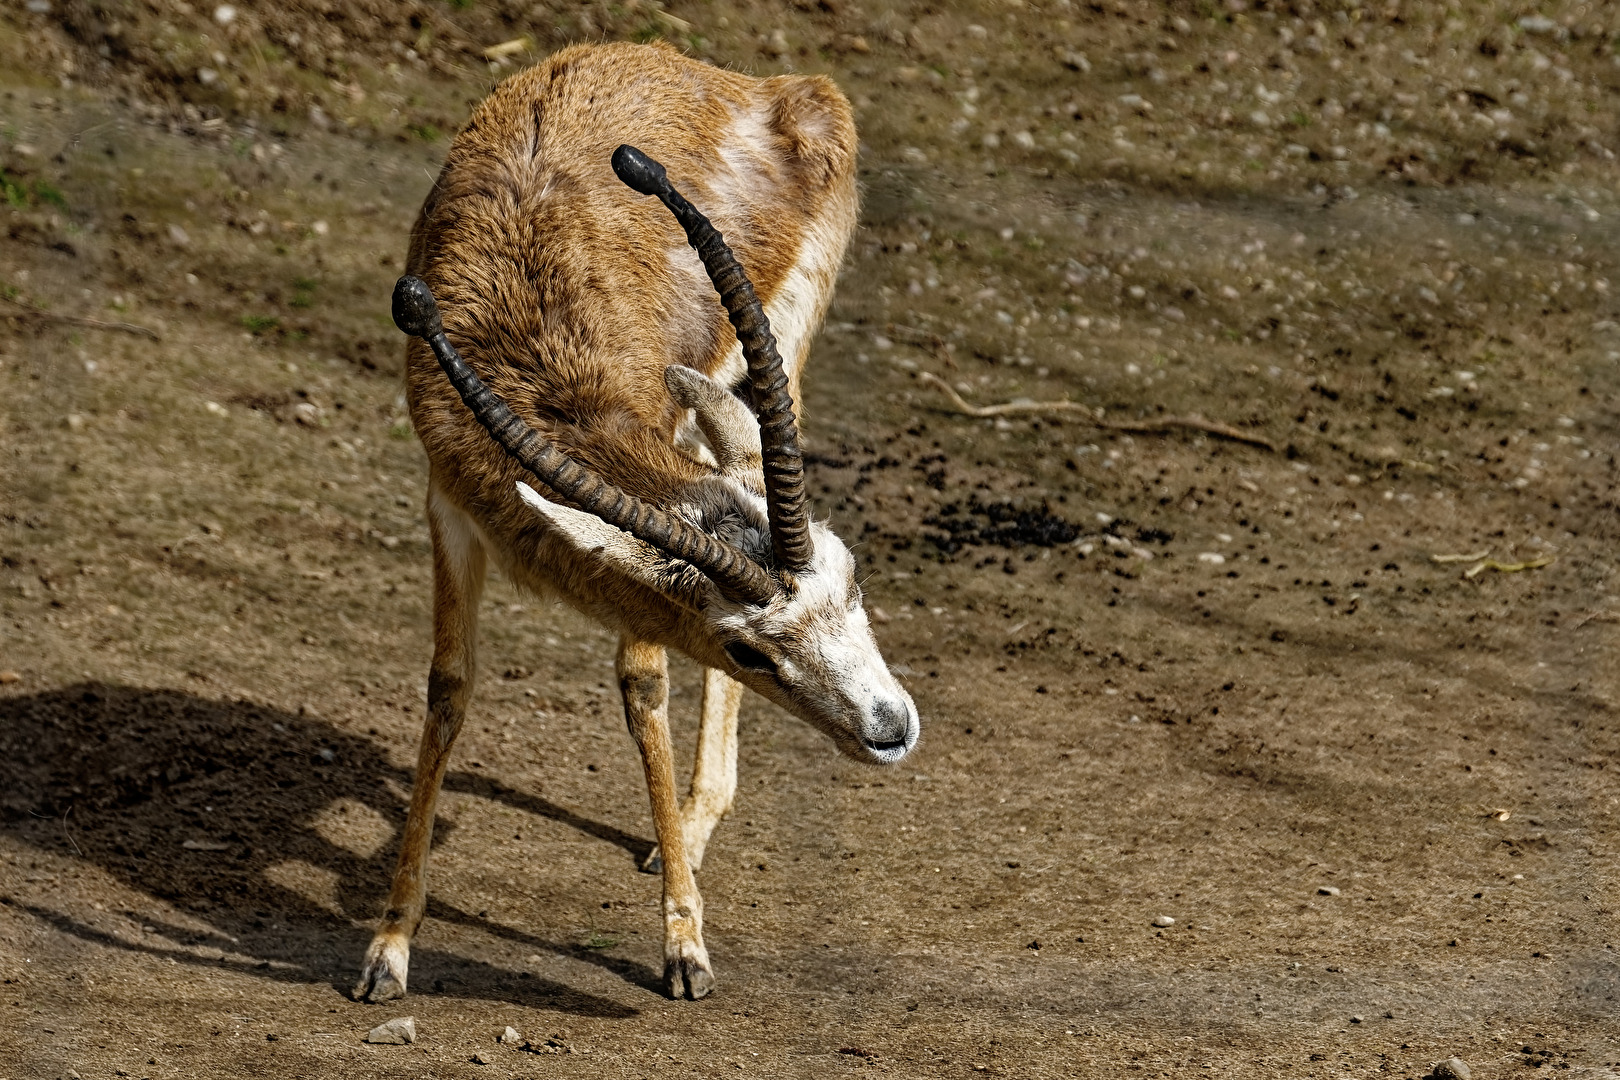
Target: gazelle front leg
714,772
458,582
644,682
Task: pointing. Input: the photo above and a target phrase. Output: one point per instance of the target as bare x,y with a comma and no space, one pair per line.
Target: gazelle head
773,592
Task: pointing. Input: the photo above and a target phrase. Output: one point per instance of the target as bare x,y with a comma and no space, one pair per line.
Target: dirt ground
1161,672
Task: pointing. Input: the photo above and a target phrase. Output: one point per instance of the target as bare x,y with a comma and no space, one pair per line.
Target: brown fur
570,295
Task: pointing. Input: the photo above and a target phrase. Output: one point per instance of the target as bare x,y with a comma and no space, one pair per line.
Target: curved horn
737,576
773,404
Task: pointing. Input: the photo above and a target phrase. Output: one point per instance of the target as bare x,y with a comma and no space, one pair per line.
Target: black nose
889,727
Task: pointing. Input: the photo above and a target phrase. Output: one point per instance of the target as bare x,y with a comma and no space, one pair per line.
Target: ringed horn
734,573
767,381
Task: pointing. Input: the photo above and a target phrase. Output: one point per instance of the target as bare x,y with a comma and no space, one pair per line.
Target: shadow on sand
142,771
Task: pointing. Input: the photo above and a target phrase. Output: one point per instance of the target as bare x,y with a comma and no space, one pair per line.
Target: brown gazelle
578,324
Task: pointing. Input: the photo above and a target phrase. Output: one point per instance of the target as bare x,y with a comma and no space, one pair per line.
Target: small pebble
1163,920
1355,1019
511,1036
1452,1069
395,1032
478,1059
1327,890
9,677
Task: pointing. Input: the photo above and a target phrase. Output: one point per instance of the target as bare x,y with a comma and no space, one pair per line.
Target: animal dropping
560,278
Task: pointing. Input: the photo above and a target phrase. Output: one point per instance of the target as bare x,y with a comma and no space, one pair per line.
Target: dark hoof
653,863
687,978
377,986
382,977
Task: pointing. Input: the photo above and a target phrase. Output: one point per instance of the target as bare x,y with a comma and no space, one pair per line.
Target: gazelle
582,340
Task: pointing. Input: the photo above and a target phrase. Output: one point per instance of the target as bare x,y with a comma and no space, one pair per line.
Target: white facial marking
830,669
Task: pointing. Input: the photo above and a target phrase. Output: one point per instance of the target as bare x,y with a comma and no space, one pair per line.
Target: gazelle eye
750,658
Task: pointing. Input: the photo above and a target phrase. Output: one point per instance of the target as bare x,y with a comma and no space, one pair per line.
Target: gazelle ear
731,429
636,559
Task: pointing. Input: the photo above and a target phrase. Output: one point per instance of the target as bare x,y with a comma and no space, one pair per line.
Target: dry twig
75,843
1506,568
29,311
1140,427
1459,558
984,412
1193,423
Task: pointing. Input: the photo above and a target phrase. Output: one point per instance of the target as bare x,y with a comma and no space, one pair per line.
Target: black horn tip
640,171
415,310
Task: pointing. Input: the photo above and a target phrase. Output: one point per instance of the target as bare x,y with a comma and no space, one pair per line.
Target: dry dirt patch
1161,675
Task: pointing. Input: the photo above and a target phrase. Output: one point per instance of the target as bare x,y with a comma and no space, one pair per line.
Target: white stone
395,1032
1452,1069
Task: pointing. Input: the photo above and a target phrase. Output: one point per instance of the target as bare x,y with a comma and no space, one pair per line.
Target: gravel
1163,920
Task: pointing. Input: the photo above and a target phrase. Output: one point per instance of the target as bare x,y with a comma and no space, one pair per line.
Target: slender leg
458,583
714,773
644,682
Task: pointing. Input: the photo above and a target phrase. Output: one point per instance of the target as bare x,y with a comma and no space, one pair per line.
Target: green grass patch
259,324
19,193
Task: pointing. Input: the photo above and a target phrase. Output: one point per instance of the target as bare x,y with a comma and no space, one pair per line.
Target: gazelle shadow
143,771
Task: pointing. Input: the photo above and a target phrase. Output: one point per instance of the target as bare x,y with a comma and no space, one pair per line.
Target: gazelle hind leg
644,682
714,772
458,583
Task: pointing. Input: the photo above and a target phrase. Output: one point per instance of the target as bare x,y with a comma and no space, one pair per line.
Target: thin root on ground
1160,426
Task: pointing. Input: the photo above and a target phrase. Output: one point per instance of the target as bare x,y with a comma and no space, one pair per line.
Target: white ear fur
730,428
632,557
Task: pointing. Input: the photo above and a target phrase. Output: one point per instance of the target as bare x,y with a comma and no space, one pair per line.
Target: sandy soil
1162,673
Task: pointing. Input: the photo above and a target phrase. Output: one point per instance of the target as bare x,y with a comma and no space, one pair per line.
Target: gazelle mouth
886,752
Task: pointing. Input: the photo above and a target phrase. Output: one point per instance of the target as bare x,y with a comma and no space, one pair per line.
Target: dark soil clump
1002,524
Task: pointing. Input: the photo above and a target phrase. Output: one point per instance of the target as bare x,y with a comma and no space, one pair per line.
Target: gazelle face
809,649
812,653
